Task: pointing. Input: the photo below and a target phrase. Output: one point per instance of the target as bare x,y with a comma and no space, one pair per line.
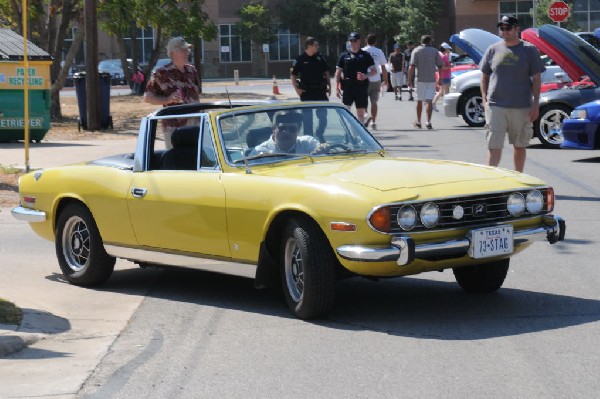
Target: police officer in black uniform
352,76
311,80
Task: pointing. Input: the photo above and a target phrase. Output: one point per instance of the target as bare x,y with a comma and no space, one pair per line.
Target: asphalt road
185,334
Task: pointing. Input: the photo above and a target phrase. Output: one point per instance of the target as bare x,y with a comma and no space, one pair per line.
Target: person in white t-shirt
375,82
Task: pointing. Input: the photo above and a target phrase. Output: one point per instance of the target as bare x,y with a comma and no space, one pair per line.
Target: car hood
569,66
474,42
389,174
575,50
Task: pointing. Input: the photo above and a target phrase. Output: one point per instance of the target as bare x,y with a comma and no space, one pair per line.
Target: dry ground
126,112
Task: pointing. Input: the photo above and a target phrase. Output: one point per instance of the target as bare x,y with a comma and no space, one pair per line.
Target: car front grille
480,209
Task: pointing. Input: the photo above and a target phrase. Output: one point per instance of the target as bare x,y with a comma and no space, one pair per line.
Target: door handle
138,192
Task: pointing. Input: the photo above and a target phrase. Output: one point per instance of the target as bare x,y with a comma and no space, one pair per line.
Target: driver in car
285,139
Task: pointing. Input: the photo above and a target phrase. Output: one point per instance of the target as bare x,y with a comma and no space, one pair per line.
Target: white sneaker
373,126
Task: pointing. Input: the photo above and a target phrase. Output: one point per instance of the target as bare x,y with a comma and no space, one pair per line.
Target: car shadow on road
410,307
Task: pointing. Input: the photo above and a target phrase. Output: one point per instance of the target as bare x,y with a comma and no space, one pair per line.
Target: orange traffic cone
275,87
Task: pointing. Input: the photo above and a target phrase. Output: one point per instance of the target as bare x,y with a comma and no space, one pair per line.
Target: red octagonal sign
558,11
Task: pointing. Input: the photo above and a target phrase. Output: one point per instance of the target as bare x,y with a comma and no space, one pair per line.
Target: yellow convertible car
294,195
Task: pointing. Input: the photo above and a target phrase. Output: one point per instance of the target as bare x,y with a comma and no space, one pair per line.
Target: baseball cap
354,35
177,43
508,20
287,117
396,46
446,45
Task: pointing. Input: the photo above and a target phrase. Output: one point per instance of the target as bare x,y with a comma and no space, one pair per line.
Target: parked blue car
582,130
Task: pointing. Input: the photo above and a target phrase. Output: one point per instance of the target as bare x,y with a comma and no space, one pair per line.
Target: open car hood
474,42
575,52
560,58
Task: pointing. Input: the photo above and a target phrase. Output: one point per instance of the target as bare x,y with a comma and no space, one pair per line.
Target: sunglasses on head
505,28
288,127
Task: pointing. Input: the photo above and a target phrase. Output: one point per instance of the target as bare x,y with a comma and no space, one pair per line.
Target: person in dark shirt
310,77
410,46
352,76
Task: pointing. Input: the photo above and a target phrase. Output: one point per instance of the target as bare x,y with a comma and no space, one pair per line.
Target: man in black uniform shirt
311,80
352,76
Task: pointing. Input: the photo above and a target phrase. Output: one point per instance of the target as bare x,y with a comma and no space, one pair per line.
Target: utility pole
92,97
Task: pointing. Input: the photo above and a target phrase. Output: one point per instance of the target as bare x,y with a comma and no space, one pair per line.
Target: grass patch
10,313
9,169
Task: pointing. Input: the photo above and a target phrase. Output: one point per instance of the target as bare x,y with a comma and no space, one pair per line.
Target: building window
233,47
587,14
520,9
285,47
68,41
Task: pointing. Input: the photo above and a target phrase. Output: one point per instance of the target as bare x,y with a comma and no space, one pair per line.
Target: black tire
548,126
79,247
307,269
487,277
471,109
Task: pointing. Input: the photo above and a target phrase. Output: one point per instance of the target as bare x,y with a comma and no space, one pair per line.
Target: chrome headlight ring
407,217
534,202
430,215
515,204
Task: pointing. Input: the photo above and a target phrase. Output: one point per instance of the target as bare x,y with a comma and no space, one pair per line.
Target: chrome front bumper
28,215
404,250
450,104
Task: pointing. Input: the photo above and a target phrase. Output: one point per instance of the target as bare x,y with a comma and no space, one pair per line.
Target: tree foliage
49,23
419,18
185,18
256,24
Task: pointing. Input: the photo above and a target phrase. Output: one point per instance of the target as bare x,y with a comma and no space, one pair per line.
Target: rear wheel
487,277
307,269
548,126
79,247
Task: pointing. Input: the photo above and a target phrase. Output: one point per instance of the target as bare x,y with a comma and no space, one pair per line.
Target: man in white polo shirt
375,82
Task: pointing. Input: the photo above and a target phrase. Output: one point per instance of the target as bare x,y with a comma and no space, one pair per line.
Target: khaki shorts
514,121
425,90
373,91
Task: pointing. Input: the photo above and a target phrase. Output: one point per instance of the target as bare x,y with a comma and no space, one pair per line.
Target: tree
541,16
175,18
364,17
256,24
49,21
419,18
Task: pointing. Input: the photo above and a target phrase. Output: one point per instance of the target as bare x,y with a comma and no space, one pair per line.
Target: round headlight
430,215
516,204
534,201
407,217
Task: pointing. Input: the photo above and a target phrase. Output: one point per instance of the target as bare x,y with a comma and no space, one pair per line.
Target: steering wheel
341,146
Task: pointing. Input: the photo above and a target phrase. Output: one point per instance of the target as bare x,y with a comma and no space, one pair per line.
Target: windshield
276,134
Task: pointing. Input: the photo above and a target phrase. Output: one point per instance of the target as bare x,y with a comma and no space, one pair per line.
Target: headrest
185,136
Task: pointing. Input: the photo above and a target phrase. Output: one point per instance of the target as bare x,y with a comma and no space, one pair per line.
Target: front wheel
548,126
487,277
307,269
79,247
472,111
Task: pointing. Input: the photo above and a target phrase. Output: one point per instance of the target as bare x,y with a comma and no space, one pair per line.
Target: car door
182,211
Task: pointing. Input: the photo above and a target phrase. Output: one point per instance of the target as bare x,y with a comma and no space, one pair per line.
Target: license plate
491,241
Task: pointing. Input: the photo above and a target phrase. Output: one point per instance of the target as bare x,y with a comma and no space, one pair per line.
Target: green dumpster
12,79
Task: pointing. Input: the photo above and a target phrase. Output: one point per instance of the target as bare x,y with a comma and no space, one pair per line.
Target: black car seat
184,154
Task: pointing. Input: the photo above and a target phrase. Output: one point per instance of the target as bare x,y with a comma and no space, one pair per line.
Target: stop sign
558,11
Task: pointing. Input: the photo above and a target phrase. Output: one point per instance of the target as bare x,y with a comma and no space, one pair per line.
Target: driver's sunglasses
353,40
506,28
288,127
